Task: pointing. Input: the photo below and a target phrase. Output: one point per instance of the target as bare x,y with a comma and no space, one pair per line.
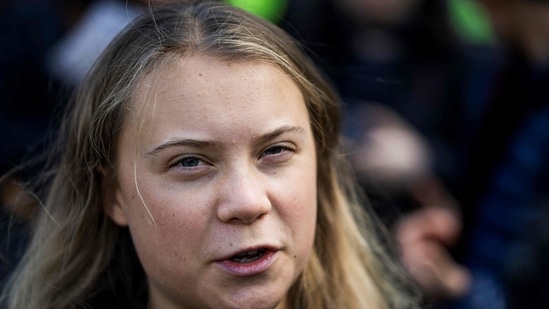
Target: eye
190,167
273,150
187,162
277,153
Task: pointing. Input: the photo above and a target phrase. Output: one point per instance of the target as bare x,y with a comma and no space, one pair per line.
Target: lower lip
249,269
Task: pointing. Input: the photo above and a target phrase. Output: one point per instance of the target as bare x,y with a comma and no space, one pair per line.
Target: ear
114,208
113,203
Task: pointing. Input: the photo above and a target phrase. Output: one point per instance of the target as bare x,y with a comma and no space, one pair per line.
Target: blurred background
446,122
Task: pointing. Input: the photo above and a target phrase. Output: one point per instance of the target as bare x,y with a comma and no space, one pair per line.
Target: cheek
165,224
172,216
300,210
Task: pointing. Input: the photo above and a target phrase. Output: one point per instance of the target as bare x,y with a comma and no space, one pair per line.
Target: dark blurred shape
46,47
529,270
27,100
508,177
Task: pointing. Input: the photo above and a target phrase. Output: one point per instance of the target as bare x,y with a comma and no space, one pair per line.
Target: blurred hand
424,237
391,154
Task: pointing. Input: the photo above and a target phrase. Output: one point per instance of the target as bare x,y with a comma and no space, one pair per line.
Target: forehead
194,92
187,78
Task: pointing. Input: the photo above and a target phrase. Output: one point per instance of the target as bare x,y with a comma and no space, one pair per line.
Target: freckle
173,215
295,256
133,197
175,253
230,244
199,74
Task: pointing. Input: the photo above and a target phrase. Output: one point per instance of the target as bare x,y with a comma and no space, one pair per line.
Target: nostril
242,198
243,211
246,218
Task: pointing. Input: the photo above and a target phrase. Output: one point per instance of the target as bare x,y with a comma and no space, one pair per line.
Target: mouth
248,256
249,262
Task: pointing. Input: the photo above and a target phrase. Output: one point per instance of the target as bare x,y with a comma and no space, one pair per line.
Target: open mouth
248,257
249,262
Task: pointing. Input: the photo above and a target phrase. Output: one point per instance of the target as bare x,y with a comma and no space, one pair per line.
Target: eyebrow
205,144
180,143
277,132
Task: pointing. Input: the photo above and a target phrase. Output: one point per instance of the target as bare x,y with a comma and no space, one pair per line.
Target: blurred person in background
447,125
400,68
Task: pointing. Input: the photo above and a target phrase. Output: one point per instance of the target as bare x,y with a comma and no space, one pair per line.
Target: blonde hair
75,246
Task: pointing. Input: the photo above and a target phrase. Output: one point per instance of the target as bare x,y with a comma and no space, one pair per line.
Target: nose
243,197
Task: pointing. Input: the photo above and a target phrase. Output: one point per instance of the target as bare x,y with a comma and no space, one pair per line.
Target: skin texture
216,158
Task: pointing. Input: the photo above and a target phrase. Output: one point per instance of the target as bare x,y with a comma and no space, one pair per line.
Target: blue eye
274,150
190,167
189,162
278,153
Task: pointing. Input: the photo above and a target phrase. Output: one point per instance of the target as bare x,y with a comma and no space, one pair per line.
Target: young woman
200,167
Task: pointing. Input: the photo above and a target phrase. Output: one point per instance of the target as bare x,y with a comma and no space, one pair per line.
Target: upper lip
248,249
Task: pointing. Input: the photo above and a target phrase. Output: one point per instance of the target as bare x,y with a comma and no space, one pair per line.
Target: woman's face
216,171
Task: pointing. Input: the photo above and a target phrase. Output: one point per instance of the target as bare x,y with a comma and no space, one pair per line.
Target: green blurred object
271,10
471,21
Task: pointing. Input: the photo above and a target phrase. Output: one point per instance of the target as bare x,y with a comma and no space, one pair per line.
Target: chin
248,303
265,297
